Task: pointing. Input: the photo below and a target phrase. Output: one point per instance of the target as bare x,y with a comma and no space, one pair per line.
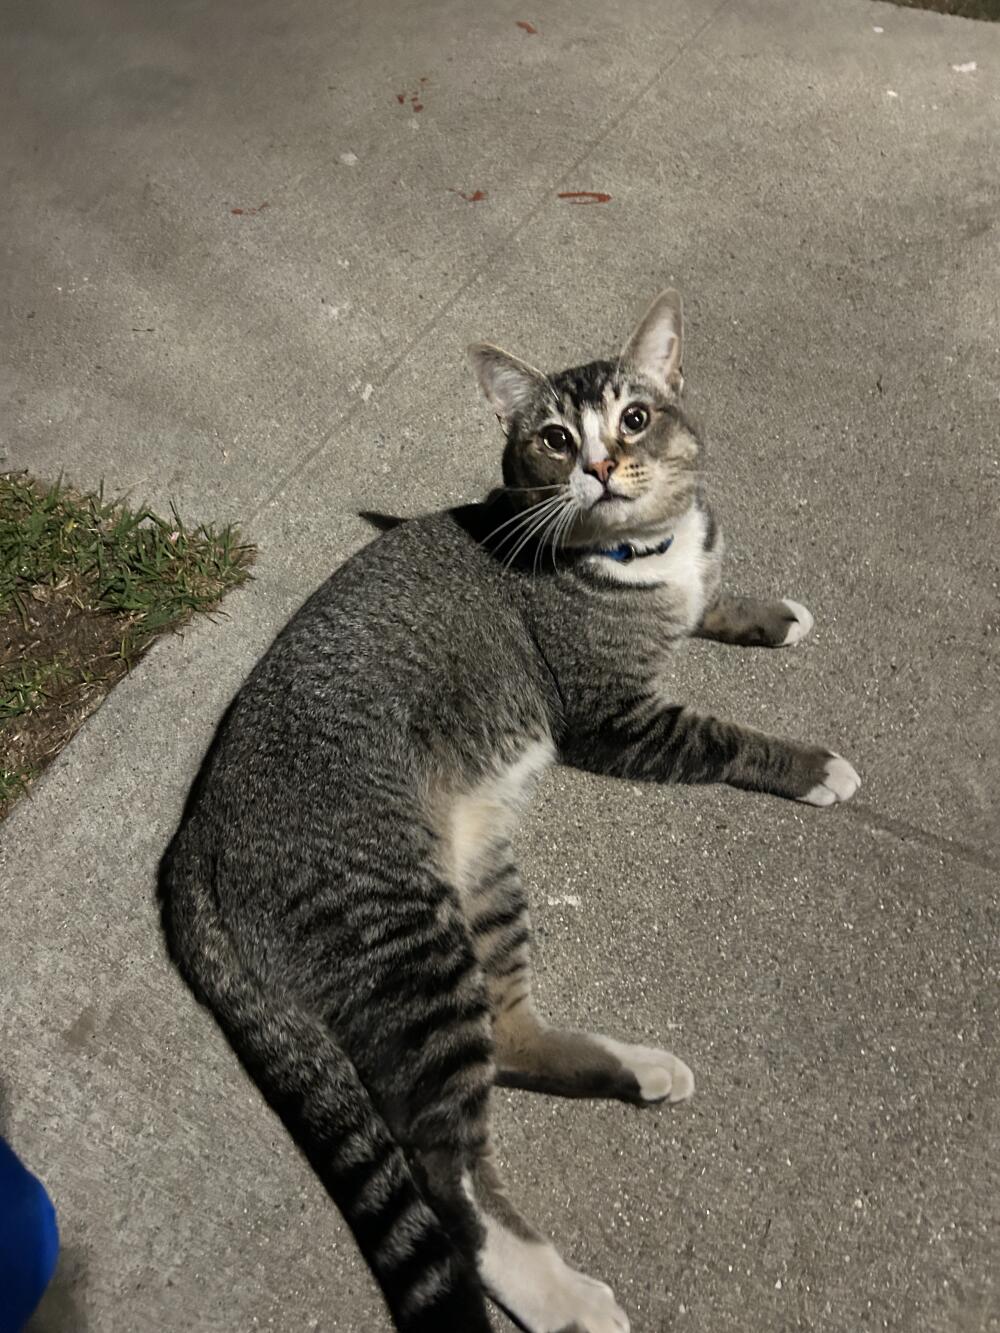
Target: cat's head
602,450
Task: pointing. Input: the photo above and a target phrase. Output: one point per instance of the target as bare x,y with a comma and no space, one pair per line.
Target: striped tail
311,1083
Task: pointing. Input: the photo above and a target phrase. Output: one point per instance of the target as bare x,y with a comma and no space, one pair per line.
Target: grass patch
86,585
22,686
12,785
966,9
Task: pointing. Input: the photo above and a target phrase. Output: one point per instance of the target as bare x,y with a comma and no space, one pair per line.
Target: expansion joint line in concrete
381,378
905,832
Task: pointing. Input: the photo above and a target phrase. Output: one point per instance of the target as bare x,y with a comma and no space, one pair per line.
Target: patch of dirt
85,648
86,585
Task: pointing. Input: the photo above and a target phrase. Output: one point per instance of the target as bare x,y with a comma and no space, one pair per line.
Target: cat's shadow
61,1308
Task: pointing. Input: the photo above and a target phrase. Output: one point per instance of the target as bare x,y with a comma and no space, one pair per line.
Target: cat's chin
622,518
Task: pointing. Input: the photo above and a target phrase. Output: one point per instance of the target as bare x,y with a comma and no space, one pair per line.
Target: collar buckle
626,552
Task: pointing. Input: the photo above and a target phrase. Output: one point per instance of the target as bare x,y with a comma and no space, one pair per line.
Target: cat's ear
655,347
509,384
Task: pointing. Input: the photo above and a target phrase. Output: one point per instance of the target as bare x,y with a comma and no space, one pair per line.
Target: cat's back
415,648
422,597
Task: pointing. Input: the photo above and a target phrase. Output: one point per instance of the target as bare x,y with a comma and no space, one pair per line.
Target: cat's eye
558,439
635,418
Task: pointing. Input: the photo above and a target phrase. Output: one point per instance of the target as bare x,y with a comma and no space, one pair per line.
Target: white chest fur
681,568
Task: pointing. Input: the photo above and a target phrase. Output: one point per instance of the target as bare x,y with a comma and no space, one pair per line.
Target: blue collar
626,552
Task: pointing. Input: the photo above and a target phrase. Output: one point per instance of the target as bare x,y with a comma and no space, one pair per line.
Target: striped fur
342,893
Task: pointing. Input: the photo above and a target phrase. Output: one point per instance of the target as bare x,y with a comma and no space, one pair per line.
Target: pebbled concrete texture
826,197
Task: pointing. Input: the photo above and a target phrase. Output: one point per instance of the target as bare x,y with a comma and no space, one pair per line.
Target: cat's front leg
754,623
640,738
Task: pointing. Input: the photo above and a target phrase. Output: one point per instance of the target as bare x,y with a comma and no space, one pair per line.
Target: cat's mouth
608,495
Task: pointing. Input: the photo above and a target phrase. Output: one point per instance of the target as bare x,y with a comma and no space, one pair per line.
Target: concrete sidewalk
822,184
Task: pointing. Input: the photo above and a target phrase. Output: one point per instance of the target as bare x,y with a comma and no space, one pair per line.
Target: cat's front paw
800,622
838,783
659,1075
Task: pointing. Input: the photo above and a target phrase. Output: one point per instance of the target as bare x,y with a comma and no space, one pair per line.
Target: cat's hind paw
544,1295
598,1311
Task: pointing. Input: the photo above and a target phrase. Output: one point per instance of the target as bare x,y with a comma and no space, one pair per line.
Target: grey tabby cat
342,892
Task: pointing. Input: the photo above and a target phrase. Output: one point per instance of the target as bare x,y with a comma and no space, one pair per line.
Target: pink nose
602,469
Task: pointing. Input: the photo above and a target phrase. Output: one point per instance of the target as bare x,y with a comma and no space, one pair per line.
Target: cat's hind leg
753,623
446,1065
421,1037
531,1054
524,1273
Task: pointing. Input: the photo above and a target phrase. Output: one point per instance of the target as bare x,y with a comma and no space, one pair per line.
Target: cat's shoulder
461,525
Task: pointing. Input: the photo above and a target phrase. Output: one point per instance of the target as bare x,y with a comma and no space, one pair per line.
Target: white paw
535,1284
800,626
660,1075
839,784
581,1304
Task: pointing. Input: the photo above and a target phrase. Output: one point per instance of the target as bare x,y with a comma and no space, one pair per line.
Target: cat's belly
472,820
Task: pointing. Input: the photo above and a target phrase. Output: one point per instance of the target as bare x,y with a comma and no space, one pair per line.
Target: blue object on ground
29,1241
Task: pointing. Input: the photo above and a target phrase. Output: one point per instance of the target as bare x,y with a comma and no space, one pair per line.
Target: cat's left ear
655,347
510,385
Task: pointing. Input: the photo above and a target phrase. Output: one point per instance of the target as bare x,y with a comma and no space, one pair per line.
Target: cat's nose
602,469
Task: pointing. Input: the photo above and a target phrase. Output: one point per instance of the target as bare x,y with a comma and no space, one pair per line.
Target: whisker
557,486
537,527
572,509
573,515
556,528
546,505
539,543
522,515
547,535
529,521
525,538
552,535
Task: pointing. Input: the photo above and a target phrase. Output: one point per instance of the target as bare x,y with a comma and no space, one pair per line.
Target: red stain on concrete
249,212
527,27
414,97
585,196
474,198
